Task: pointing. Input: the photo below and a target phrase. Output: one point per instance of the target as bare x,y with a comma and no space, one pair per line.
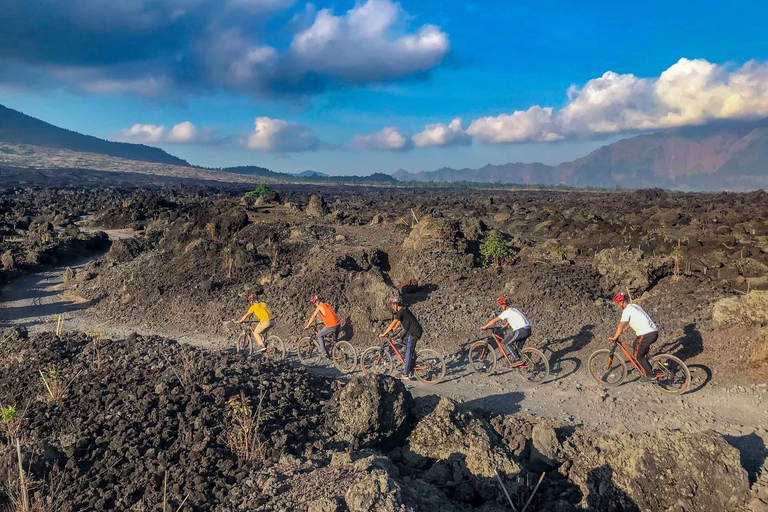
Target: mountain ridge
19,128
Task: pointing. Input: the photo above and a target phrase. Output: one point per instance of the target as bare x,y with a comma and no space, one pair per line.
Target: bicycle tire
482,358
535,368
242,344
672,374
275,348
375,360
608,370
307,351
344,357
429,366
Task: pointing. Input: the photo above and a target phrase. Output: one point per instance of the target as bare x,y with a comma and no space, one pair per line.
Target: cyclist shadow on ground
752,453
504,403
455,365
577,342
687,346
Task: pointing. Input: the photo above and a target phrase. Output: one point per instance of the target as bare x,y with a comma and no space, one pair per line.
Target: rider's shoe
261,350
648,379
405,376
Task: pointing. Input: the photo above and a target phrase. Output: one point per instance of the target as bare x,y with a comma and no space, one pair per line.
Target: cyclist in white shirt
635,317
520,328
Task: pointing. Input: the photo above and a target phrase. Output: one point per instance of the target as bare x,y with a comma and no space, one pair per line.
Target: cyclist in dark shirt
412,332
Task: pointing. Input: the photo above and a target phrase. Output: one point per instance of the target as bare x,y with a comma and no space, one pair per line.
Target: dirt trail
571,396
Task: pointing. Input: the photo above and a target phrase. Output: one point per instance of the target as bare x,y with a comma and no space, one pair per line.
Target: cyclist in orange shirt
331,322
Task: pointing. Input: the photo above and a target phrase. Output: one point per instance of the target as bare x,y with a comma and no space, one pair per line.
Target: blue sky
373,86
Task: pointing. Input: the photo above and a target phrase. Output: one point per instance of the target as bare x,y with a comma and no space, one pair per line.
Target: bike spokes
607,368
671,373
429,366
535,367
482,358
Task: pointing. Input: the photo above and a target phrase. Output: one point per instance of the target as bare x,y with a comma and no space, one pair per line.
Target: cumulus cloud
388,139
279,136
170,47
690,92
443,135
182,133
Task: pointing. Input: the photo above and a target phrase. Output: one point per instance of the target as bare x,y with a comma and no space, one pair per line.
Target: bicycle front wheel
672,375
482,358
607,368
243,344
275,349
429,366
307,351
344,357
535,367
375,360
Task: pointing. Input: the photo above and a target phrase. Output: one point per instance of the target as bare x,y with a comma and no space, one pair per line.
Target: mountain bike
609,369
343,354
429,366
534,367
245,343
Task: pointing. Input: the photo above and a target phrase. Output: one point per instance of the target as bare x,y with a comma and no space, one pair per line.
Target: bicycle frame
627,350
393,343
498,339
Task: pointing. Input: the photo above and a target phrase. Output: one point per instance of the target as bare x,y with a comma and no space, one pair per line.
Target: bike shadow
504,403
456,365
699,372
563,368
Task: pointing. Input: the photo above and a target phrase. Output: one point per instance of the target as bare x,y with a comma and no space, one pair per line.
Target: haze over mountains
726,155
731,155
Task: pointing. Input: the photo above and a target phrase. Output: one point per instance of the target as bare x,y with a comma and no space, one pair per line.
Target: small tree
494,250
262,190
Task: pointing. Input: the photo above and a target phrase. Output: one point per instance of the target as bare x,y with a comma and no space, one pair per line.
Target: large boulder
434,250
667,470
633,270
369,411
750,309
374,492
367,294
123,251
317,207
462,445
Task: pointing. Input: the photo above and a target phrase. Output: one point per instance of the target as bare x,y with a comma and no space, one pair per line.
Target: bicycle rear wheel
307,351
535,367
377,361
607,368
482,358
275,349
344,356
672,375
429,366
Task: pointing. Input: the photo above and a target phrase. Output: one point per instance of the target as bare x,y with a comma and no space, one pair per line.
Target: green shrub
494,250
262,190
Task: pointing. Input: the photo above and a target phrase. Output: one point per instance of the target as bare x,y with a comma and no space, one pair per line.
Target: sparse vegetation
558,251
262,191
54,386
494,250
11,417
244,430
99,340
677,257
210,228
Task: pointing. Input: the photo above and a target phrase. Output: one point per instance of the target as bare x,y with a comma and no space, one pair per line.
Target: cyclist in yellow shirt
266,320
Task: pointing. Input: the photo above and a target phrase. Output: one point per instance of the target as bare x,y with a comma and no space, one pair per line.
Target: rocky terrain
147,424
698,263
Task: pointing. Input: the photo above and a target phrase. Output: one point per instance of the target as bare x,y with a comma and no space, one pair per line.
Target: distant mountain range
18,128
726,155
732,155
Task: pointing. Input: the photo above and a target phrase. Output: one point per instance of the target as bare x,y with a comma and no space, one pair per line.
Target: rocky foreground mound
147,424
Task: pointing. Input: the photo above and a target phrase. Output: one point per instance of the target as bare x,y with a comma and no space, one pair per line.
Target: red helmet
396,300
619,298
251,297
503,301
315,299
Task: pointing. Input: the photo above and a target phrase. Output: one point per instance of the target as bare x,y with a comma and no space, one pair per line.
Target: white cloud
443,135
278,136
690,92
388,139
367,44
182,133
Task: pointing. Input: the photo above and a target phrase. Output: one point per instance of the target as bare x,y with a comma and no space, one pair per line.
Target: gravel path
570,396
